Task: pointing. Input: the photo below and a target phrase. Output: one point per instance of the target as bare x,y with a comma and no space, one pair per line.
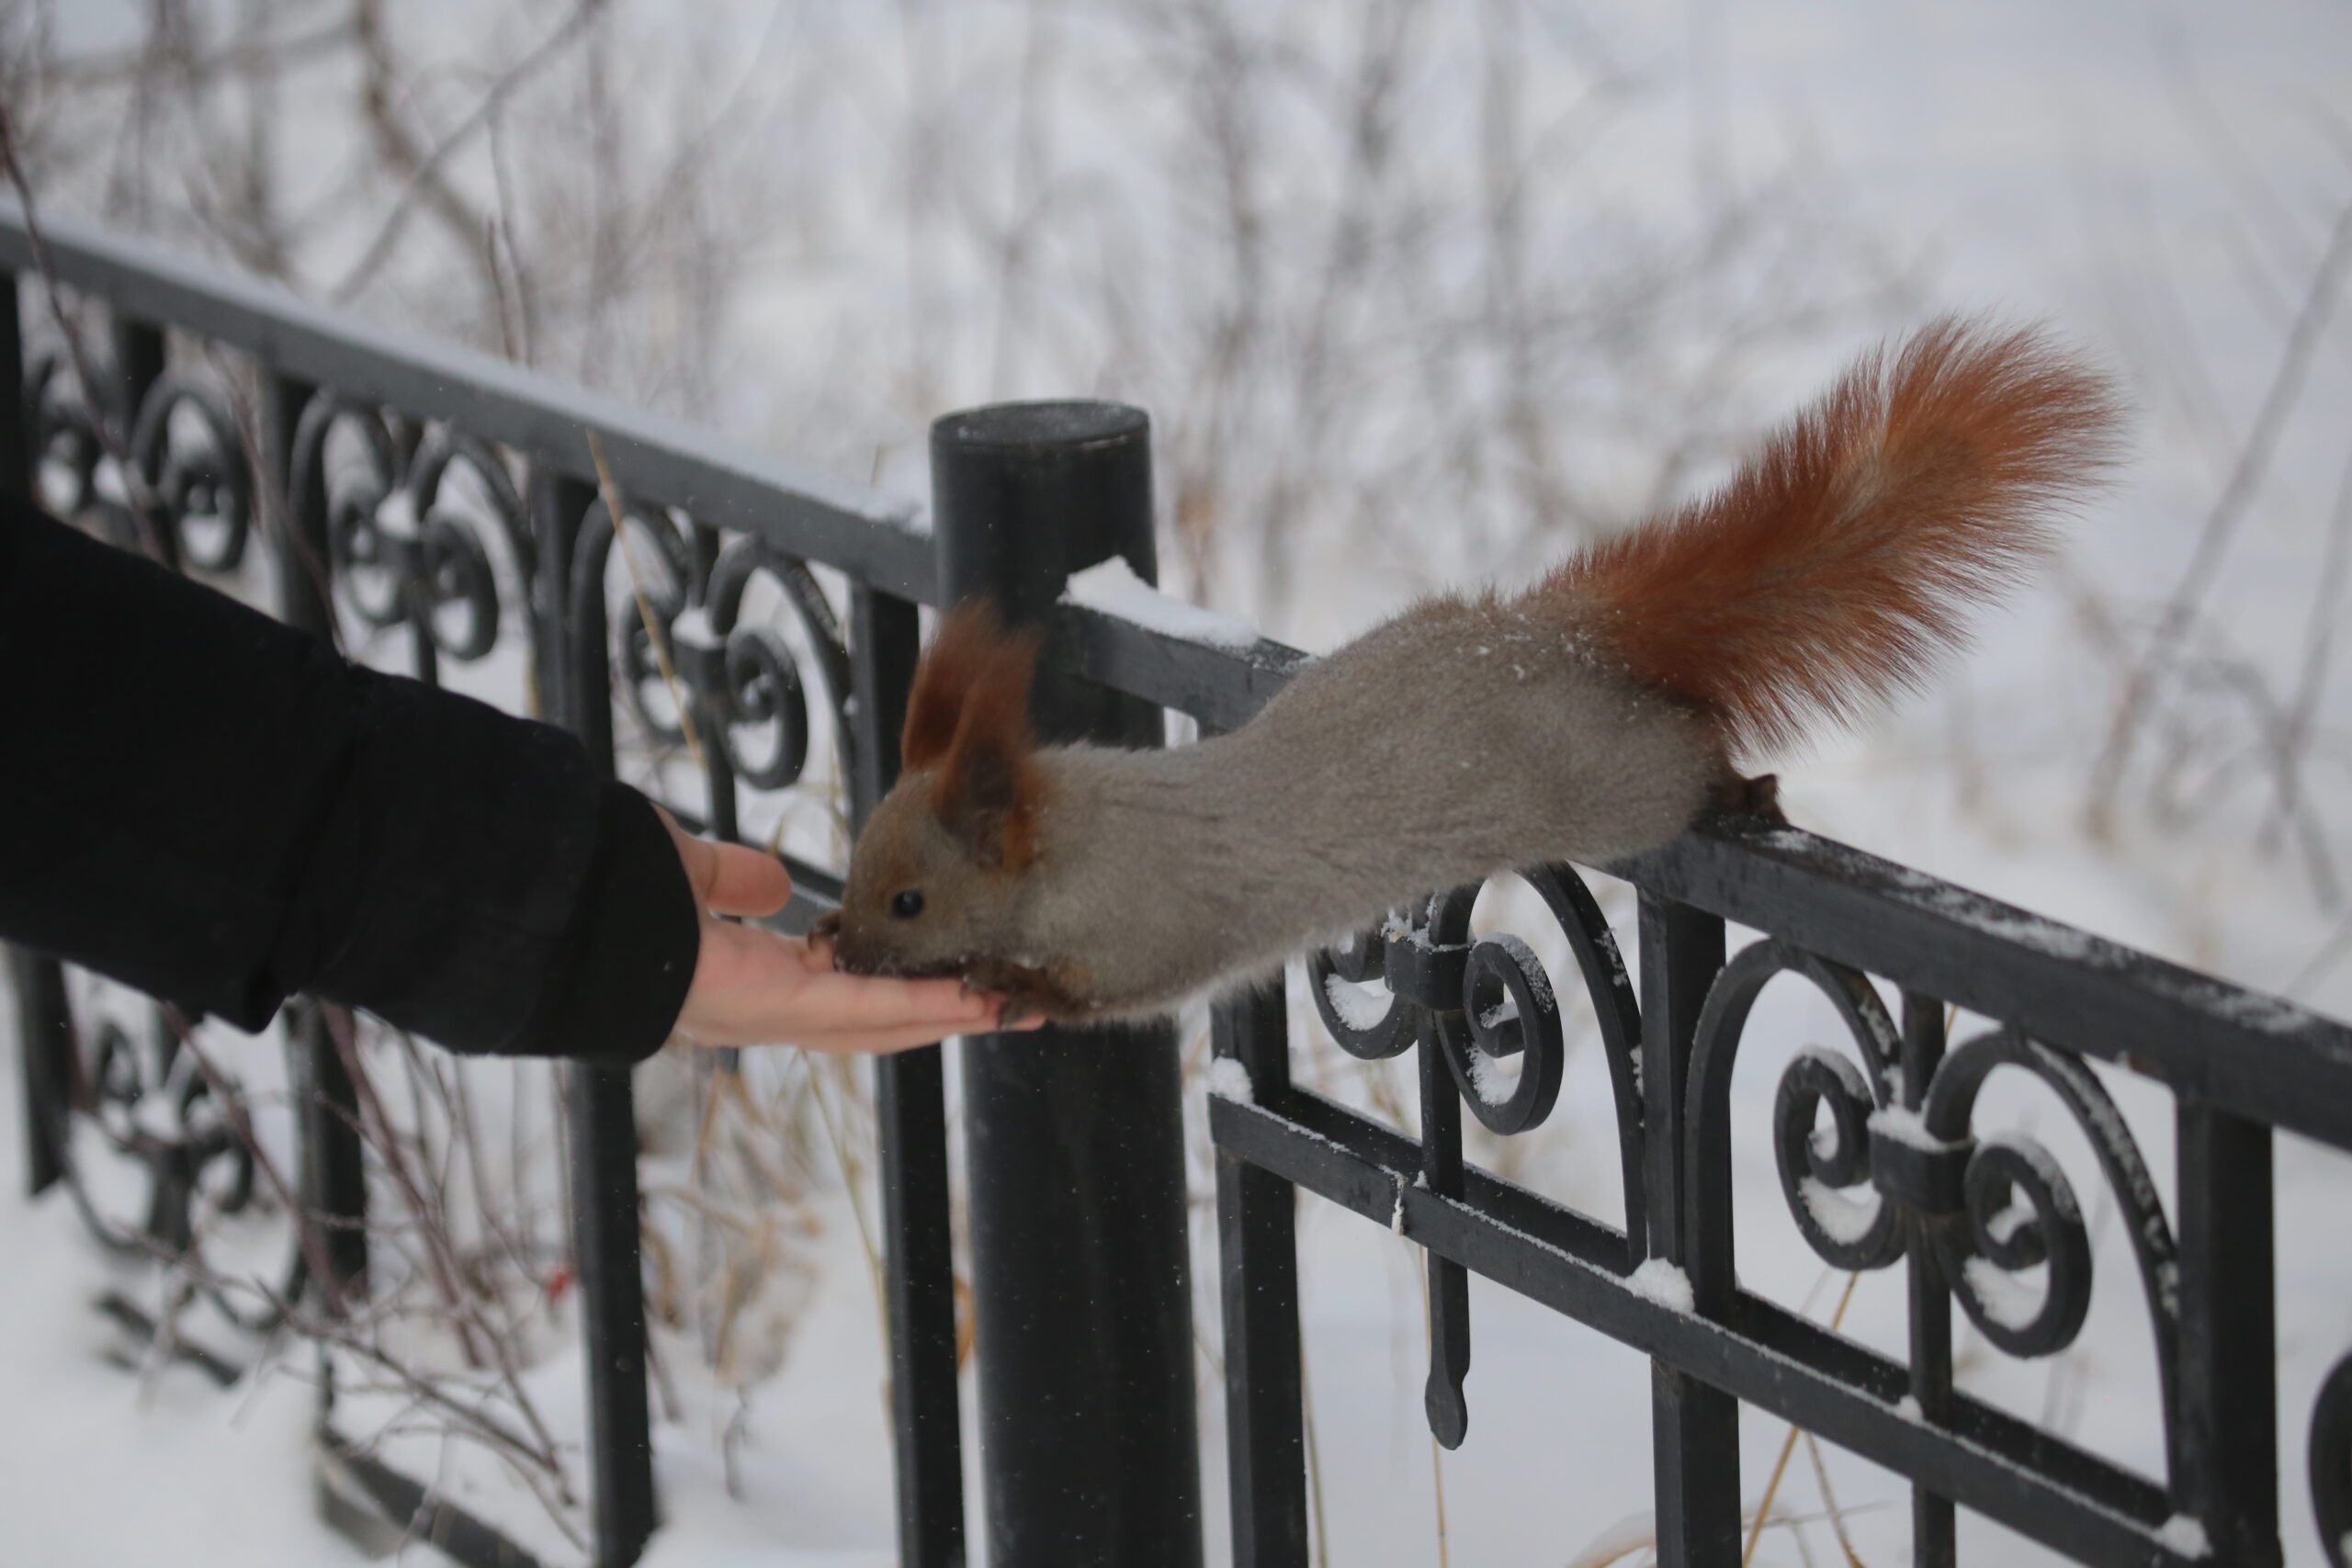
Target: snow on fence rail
1028,497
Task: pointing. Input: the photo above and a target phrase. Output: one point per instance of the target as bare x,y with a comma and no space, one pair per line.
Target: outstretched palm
753,986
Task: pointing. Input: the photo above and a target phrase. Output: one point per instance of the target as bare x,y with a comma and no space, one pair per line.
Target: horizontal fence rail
1877,1144
798,508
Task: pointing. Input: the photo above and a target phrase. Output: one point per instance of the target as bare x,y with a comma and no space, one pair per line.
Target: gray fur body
1461,738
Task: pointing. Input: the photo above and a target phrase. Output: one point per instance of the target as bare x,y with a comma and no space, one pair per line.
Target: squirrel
1592,717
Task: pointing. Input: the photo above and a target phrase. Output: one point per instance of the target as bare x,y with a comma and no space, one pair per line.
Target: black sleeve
220,811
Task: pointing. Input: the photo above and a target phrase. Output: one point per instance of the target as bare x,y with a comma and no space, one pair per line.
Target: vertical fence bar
1695,1429
15,415
701,666
1447,1281
138,366
547,496
1075,1142
44,1027
1934,1541
911,1115
1265,1385
2225,1463
295,525
334,1160
605,1241
45,1045
602,1109
583,541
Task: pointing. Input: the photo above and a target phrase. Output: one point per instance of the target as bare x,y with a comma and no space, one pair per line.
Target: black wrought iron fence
1076,1181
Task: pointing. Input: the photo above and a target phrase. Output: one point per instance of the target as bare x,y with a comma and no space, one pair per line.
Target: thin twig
331,1330
851,1173
2318,641
612,496
1437,1453
425,177
134,487
1780,1465
1837,1515
2222,520
1313,1460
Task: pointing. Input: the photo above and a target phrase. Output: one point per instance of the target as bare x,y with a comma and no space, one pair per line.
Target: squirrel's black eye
907,905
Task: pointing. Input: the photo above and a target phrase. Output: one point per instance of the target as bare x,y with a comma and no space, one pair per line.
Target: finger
880,1042
865,1001
868,999
901,1037
745,882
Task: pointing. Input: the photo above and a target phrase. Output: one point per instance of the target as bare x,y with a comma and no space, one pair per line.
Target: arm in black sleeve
220,811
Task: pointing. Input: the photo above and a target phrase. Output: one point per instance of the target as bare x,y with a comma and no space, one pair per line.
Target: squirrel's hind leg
1758,797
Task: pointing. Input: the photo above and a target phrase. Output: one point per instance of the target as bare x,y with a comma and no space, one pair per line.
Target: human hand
754,987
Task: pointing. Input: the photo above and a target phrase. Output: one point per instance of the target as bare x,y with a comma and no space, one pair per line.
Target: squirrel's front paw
1028,991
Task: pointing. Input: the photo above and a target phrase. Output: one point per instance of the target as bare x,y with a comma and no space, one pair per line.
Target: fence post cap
1053,423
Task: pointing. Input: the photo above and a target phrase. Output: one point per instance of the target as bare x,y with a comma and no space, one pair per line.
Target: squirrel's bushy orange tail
1840,563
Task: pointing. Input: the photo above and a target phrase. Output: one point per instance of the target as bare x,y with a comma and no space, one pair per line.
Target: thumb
729,879
743,881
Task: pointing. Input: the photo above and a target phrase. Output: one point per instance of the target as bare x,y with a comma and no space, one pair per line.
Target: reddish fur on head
1840,563
967,720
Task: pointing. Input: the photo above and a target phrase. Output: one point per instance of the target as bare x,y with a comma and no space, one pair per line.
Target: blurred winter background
1416,293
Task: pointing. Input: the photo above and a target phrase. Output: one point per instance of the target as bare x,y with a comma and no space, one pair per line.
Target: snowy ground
2004,138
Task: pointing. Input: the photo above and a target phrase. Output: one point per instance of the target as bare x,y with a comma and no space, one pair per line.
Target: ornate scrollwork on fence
1898,1166
63,437
1475,1004
750,694
400,547
157,1155
150,1145
659,560
189,468
1871,1167
748,679
1500,991
453,586
192,470
353,492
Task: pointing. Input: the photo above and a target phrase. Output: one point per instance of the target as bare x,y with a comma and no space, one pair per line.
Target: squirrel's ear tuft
969,642
988,788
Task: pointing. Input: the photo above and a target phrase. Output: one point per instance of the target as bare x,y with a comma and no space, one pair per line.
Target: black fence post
910,1116
1694,1427
601,1105
1076,1145
1265,1384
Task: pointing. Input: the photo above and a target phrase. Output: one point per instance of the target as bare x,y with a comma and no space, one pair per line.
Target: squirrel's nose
849,955
852,954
